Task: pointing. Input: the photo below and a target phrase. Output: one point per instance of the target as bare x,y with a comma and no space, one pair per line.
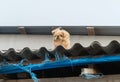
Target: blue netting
9,68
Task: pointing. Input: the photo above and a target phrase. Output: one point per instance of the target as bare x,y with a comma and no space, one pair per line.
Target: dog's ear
53,31
56,29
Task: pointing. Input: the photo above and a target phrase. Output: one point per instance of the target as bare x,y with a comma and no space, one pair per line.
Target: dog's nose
57,37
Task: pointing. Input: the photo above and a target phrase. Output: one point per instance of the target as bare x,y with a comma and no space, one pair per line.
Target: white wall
59,12
37,41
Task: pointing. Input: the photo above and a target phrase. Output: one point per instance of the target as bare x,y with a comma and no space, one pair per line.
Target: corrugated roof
76,51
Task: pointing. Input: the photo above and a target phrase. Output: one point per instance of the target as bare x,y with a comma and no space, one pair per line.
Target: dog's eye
61,35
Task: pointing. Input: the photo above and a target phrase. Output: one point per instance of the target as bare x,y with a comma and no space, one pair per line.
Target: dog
61,37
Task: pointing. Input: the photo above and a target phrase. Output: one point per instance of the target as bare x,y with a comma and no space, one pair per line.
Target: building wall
37,41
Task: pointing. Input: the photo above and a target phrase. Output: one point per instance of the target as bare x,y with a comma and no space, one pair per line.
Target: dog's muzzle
57,38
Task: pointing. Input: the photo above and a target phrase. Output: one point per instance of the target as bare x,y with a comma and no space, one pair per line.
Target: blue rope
33,76
46,58
10,68
66,58
57,58
4,62
92,76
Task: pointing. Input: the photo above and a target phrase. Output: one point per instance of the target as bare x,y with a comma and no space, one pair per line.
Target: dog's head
60,34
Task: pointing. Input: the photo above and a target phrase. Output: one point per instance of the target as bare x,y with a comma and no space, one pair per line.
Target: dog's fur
61,37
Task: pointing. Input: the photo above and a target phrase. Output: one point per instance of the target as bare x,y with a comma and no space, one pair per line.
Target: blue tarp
65,62
10,68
